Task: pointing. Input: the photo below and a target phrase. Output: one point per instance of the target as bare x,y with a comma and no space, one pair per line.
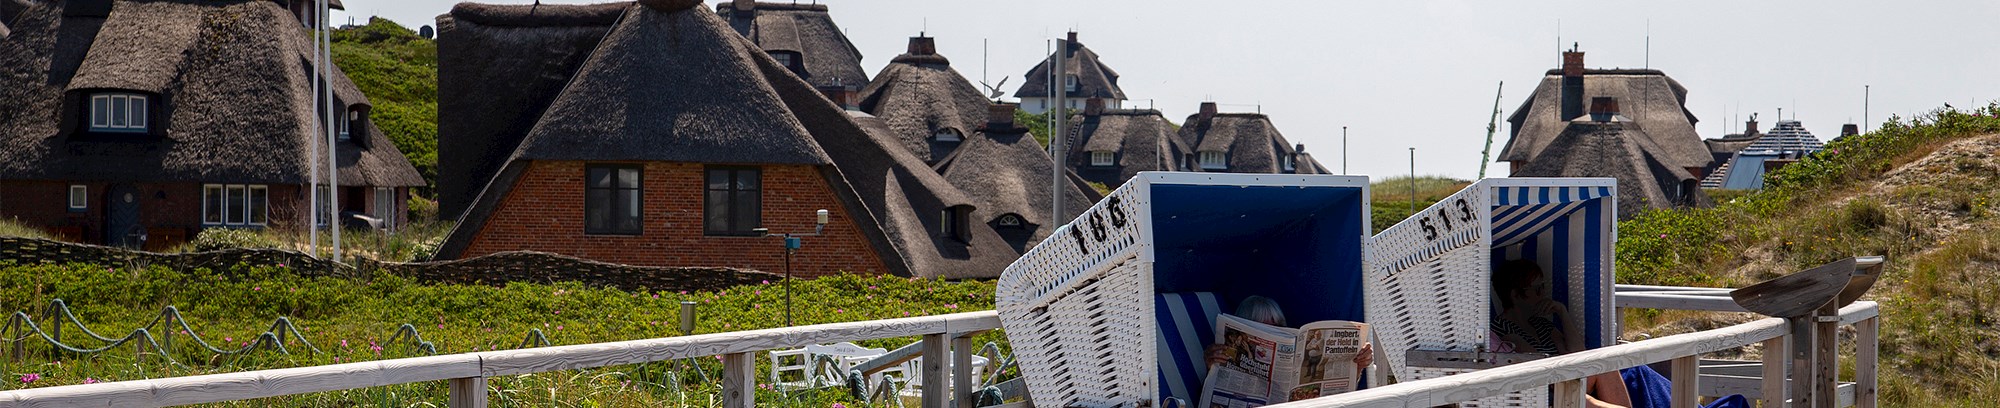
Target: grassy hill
1921,191
1391,196
398,71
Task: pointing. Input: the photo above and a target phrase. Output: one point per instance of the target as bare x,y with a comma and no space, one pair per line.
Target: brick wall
544,212
171,212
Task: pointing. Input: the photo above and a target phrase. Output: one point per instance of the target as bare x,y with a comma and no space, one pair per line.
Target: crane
1492,125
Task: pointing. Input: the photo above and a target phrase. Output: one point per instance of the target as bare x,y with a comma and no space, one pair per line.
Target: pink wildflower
30,378
837,405
1663,235
766,282
656,296
343,343
89,380
229,339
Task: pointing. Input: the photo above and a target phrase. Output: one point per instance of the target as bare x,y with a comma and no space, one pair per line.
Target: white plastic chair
804,362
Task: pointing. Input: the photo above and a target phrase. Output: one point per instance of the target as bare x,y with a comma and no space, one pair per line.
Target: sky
1409,74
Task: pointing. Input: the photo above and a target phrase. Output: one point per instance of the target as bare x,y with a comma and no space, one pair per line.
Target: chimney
1207,111
1750,126
1000,116
842,96
1299,148
1093,106
1572,84
1072,39
1603,108
1850,130
921,45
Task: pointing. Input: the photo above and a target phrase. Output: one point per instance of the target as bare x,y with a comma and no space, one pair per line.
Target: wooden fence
946,338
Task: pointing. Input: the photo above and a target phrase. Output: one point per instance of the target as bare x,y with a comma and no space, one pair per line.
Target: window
79,197
945,135
611,200
1288,162
1101,158
1069,83
118,112
235,204
342,126
950,224
1213,161
385,205
735,201
1009,220
322,213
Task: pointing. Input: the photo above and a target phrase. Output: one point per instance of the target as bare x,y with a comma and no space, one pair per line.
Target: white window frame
1005,218
946,135
79,197
1289,166
1214,161
237,207
104,106
1103,158
1070,83
343,126
948,223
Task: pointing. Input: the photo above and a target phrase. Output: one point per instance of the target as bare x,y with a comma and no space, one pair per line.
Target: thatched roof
1094,79
909,199
1013,175
1618,150
918,94
228,116
1142,139
1252,143
1652,99
532,50
830,59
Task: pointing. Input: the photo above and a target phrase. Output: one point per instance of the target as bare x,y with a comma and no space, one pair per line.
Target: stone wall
543,267
495,269
30,251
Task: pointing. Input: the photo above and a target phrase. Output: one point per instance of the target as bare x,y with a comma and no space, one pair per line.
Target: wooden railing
946,338
1567,372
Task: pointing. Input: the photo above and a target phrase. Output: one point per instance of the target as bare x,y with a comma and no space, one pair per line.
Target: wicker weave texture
1427,286
1079,309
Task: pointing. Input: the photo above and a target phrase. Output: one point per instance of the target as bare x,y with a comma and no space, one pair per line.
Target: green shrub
215,239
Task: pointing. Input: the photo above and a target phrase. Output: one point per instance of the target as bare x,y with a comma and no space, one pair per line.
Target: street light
792,244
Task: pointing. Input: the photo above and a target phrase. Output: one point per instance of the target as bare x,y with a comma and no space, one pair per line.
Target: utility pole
1864,109
1343,150
332,151
1058,129
1413,181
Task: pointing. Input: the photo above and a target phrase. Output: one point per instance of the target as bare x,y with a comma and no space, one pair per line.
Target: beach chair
1111,309
1429,277
806,365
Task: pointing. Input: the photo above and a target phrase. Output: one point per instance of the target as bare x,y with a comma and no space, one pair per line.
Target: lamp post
792,244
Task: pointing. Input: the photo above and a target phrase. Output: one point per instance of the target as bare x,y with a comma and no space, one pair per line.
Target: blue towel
1649,389
1187,327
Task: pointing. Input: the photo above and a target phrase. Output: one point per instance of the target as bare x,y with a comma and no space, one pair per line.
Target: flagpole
325,47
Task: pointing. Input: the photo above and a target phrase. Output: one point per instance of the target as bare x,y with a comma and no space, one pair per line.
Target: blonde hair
1262,310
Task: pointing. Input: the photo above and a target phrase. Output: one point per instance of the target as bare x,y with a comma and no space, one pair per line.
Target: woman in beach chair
1528,322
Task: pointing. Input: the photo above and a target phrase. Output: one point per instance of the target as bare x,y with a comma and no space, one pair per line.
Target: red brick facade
170,212
545,212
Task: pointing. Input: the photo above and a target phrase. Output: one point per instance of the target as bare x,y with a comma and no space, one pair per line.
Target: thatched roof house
1084,76
1636,127
702,137
1013,175
206,107
1113,145
925,103
803,38
1242,143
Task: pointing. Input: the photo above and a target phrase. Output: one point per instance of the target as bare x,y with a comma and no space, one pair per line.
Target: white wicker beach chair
1430,276
1079,308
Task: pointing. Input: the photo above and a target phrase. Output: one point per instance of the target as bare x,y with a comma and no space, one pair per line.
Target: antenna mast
1492,125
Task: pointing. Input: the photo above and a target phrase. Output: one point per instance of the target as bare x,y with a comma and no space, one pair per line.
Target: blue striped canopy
1519,212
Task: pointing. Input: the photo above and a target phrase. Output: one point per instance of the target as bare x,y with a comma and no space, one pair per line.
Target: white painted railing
1567,372
945,337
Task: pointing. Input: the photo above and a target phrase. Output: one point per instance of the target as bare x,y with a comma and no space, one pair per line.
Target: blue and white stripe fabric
1187,327
1563,229
1521,211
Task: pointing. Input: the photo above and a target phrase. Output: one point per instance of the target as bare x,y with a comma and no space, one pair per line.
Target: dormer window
1009,220
1288,163
118,112
952,223
343,126
790,60
1069,83
1102,158
946,135
1214,161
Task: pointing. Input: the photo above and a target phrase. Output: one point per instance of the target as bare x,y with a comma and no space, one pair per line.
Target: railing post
936,392
961,371
1687,375
739,380
469,392
1865,349
1569,394
1774,371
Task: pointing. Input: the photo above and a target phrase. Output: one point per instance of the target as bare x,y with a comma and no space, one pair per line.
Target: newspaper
1261,364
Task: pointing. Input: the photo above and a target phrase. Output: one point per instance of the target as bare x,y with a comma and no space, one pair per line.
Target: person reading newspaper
1259,360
